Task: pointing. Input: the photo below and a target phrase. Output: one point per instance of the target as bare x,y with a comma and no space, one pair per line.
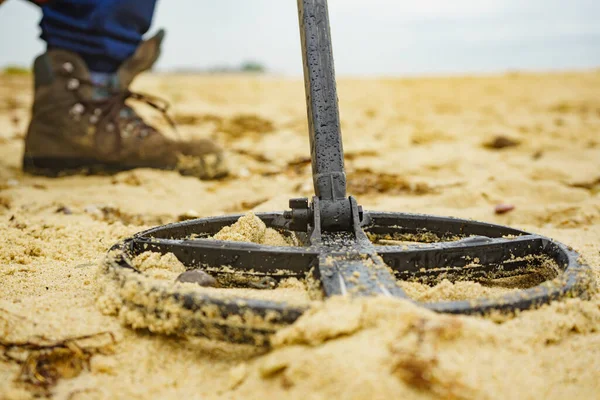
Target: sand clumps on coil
496,284
252,229
156,269
451,291
159,266
147,298
150,260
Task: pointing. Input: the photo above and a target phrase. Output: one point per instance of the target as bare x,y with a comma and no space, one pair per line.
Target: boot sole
56,167
52,167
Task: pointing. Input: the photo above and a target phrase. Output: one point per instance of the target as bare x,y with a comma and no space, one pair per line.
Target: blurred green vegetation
253,66
15,70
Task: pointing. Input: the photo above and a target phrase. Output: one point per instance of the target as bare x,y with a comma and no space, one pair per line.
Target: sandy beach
449,146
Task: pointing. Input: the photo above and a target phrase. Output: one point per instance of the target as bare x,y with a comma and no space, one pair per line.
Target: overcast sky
371,37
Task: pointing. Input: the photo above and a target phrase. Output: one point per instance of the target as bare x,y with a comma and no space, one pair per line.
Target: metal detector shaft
327,153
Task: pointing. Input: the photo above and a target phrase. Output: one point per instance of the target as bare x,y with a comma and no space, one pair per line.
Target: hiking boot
80,126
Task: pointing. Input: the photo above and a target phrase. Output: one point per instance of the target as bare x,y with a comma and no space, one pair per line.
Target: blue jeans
103,32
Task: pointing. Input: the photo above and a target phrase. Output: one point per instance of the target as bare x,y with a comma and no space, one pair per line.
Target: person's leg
104,33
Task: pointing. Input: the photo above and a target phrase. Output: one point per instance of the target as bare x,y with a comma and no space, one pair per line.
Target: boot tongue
105,84
142,60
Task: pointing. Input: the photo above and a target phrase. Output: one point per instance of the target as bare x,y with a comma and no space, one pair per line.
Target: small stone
504,208
266,283
64,210
198,277
12,183
501,142
188,215
244,173
94,211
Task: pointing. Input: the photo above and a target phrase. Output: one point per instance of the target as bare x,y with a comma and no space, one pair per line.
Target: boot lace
109,113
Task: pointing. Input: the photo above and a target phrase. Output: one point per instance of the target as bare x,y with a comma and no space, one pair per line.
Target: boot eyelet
68,67
94,119
97,112
77,110
72,84
110,127
143,134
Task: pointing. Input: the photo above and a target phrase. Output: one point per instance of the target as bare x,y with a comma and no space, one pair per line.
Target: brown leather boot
78,126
